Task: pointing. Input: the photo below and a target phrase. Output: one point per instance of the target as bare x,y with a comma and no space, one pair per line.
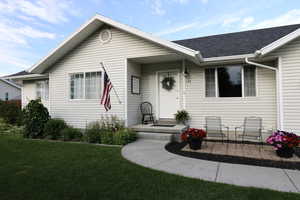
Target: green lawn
55,170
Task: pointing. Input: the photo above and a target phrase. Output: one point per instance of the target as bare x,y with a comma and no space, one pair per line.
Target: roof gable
91,26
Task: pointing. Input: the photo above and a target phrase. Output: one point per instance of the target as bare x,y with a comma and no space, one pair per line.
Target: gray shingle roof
238,43
21,73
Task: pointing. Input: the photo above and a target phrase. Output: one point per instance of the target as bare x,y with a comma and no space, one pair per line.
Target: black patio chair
146,110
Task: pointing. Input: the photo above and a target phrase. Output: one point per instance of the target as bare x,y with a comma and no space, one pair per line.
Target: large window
85,85
230,81
42,89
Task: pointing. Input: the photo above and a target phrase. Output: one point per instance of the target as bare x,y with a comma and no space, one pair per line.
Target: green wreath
168,83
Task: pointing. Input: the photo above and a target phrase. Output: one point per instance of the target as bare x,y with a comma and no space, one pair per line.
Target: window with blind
227,81
249,81
85,85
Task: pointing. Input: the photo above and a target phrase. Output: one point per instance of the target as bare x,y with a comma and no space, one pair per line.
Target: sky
30,29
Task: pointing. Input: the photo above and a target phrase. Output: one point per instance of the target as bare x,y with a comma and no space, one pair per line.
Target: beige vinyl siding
232,110
29,93
134,100
290,67
149,81
86,58
13,92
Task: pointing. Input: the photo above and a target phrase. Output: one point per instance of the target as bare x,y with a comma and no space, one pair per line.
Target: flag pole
102,65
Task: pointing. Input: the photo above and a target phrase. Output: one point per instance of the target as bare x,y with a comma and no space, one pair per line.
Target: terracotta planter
285,152
195,143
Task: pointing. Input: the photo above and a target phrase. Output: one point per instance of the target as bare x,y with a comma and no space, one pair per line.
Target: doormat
163,125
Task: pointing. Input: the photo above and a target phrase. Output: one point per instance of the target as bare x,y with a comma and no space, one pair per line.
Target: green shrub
53,128
11,112
109,130
35,116
93,132
15,130
182,116
71,134
6,128
107,137
124,136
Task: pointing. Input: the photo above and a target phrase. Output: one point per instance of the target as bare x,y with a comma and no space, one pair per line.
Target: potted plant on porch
182,116
194,137
284,143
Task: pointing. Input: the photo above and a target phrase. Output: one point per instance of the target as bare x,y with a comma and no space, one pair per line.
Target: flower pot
285,152
195,143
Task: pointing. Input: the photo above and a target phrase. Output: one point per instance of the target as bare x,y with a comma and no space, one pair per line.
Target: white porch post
183,85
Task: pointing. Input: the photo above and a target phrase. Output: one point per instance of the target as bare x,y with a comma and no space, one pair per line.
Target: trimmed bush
71,134
53,128
35,116
11,112
124,136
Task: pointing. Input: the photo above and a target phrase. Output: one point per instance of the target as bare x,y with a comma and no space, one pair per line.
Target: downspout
278,89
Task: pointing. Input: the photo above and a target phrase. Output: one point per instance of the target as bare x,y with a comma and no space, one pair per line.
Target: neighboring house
250,73
9,90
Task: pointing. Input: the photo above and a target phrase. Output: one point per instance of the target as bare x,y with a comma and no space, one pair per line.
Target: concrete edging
152,154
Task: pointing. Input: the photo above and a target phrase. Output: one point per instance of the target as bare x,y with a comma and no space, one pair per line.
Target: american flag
105,100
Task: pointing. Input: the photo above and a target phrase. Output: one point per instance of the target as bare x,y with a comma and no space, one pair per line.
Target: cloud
223,20
177,29
247,21
157,8
230,20
18,34
290,17
52,11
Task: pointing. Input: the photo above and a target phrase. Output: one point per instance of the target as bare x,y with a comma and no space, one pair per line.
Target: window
230,81
249,81
227,81
85,85
6,96
210,82
42,90
92,85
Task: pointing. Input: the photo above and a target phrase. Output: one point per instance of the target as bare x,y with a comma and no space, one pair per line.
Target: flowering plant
282,139
193,133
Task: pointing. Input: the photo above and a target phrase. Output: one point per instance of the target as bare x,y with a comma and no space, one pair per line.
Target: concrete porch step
158,129
158,136
166,121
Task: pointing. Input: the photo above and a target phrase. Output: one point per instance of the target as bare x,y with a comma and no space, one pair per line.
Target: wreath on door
168,83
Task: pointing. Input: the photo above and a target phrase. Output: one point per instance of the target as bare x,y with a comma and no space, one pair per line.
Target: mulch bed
176,148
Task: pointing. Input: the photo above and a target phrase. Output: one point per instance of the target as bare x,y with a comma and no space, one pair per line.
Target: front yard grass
35,169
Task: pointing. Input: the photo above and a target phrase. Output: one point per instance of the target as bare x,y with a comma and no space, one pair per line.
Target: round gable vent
105,36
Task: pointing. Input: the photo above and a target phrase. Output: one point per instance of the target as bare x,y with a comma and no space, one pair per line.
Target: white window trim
84,72
217,84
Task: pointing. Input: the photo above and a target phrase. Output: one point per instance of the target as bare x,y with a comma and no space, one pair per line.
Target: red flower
192,132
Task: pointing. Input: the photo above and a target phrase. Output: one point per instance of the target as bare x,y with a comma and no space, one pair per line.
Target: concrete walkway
152,154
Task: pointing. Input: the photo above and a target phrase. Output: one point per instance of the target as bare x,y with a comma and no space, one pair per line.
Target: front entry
168,93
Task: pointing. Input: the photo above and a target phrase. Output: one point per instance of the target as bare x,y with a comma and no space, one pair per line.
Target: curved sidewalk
152,154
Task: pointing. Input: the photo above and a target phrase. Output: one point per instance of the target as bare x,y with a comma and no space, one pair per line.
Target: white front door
168,96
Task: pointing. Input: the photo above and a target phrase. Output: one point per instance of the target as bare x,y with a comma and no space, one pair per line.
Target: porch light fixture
186,73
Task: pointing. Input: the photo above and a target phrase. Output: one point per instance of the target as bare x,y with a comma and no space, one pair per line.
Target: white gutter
259,65
278,88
